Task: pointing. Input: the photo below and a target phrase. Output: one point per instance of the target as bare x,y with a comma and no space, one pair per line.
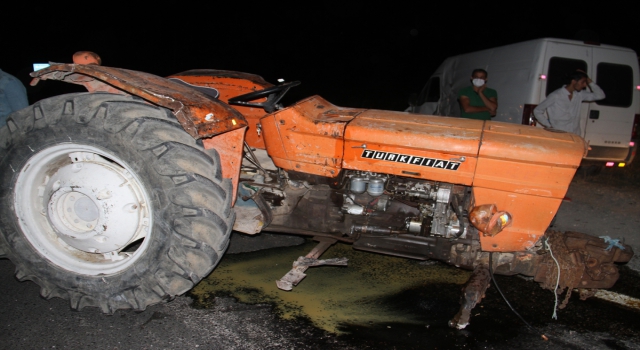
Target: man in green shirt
478,101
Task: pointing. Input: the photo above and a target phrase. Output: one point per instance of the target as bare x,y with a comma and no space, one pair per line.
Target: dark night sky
357,55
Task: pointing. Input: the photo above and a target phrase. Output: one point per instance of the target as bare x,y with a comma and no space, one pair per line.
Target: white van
525,73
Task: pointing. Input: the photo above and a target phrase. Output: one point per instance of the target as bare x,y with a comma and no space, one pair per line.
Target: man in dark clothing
478,101
13,96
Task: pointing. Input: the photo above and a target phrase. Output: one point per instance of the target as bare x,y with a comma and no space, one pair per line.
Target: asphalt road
30,322
609,206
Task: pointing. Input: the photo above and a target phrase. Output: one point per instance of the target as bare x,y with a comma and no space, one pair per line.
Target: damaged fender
201,116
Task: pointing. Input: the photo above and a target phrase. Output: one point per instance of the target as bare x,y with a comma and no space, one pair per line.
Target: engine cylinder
376,186
358,185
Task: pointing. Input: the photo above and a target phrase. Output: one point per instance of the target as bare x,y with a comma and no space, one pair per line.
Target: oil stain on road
385,302
330,296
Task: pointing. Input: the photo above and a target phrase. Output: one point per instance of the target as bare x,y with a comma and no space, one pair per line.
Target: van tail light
529,119
636,127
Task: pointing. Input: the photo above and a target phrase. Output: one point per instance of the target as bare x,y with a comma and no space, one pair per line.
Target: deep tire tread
197,208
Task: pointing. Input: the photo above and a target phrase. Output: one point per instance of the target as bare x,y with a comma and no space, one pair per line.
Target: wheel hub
94,206
83,206
73,210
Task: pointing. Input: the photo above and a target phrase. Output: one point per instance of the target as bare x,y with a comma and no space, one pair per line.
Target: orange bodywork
523,170
229,147
308,137
231,84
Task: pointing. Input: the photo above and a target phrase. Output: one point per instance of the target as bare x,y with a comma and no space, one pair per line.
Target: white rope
555,290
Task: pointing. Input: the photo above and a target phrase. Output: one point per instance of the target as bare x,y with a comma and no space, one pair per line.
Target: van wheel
107,202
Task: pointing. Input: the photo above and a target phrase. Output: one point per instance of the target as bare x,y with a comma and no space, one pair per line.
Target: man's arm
16,95
489,102
468,108
538,112
492,104
596,95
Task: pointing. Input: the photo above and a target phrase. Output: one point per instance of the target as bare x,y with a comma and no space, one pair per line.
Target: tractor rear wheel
107,202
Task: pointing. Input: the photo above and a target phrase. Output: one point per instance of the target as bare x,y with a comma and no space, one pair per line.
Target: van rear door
560,60
610,121
606,124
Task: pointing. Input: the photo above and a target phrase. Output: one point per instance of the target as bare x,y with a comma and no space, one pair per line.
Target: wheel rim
80,207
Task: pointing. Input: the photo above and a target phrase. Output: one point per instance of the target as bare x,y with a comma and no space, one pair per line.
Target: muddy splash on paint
329,296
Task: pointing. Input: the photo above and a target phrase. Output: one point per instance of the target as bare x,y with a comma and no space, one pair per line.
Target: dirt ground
605,204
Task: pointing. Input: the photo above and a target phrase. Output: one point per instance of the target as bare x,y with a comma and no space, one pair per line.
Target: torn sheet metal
584,262
201,115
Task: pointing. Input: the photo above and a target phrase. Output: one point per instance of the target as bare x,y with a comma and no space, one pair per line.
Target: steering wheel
273,94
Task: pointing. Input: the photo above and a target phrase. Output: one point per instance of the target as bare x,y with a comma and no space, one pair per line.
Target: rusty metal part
86,57
488,220
586,293
613,297
304,261
200,115
512,263
296,274
472,293
585,262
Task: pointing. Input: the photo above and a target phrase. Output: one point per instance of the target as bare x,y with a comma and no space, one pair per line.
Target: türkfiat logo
409,159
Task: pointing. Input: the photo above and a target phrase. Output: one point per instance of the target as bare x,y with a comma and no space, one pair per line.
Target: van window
559,68
431,91
616,80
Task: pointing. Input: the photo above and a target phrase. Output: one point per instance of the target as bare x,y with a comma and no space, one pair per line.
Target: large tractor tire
107,202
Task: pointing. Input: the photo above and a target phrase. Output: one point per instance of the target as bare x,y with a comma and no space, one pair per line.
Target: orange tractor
126,195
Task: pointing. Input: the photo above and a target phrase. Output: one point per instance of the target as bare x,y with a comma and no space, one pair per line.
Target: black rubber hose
507,301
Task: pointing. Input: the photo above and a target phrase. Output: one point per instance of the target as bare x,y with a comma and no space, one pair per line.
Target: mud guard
201,115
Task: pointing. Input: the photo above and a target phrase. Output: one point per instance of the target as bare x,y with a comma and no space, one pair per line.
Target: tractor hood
315,136
519,169
465,151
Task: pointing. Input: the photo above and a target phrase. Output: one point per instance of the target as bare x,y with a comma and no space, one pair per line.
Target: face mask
478,82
